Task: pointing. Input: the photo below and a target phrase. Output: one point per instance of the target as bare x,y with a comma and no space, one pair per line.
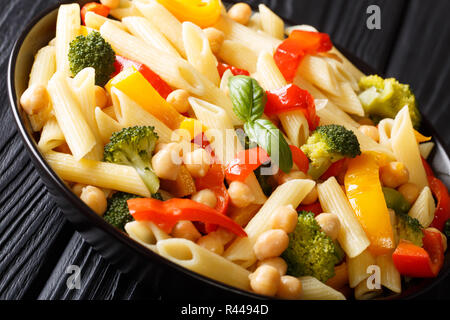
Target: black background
37,244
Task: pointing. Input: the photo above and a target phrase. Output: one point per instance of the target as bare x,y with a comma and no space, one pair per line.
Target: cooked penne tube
351,237
248,37
358,267
167,24
271,23
198,52
70,118
44,66
144,29
239,55
96,173
193,257
406,149
51,136
424,208
95,21
67,28
106,125
390,277
313,289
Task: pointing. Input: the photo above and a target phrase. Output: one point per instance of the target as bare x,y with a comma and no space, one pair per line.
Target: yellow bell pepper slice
203,13
131,82
420,137
193,126
363,187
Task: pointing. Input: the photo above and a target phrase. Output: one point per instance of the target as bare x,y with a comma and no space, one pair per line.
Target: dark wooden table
37,244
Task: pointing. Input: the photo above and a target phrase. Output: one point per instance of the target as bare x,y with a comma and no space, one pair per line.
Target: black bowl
163,278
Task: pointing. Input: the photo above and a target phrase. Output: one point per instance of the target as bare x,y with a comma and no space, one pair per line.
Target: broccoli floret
117,214
92,51
409,228
384,98
328,144
396,201
134,146
311,252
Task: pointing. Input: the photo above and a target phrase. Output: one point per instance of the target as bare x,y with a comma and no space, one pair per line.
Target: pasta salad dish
245,150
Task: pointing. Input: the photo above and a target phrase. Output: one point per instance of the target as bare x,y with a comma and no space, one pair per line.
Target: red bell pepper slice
335,169
291,98
96,8
300,159
291,52
245,163
440,192
315,208
159,84
166,214
416,262
222,67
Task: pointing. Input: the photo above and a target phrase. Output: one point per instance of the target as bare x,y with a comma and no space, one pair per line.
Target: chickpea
394,174
265,280
34,99
160,146
277,262
371,132
186,230
215,38
293,175
311,197
95,198
444,238
179,100
410,191
212,243
224,235
240,194
290,288
271,244
167,162
285,218
366,122
330,224
112,4
240,12
101,97
78,189
198,162
206,197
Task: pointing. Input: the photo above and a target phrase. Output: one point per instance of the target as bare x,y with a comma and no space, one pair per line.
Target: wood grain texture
37,245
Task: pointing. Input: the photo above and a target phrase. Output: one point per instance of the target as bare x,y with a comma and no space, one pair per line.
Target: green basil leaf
269,137
248,98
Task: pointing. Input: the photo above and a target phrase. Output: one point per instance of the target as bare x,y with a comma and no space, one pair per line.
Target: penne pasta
239,55
406,149
95,21
390,277
144,29
70,118
167,24
67,28
195,258
44,66
351,237
424,208
96,173
198,52
313,289
51,136
271,23
358,267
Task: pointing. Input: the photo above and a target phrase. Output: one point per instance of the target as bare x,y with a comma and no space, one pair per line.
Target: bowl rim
97,222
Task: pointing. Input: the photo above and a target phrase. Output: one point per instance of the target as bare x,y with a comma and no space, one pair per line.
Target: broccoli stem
146,173
317,171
